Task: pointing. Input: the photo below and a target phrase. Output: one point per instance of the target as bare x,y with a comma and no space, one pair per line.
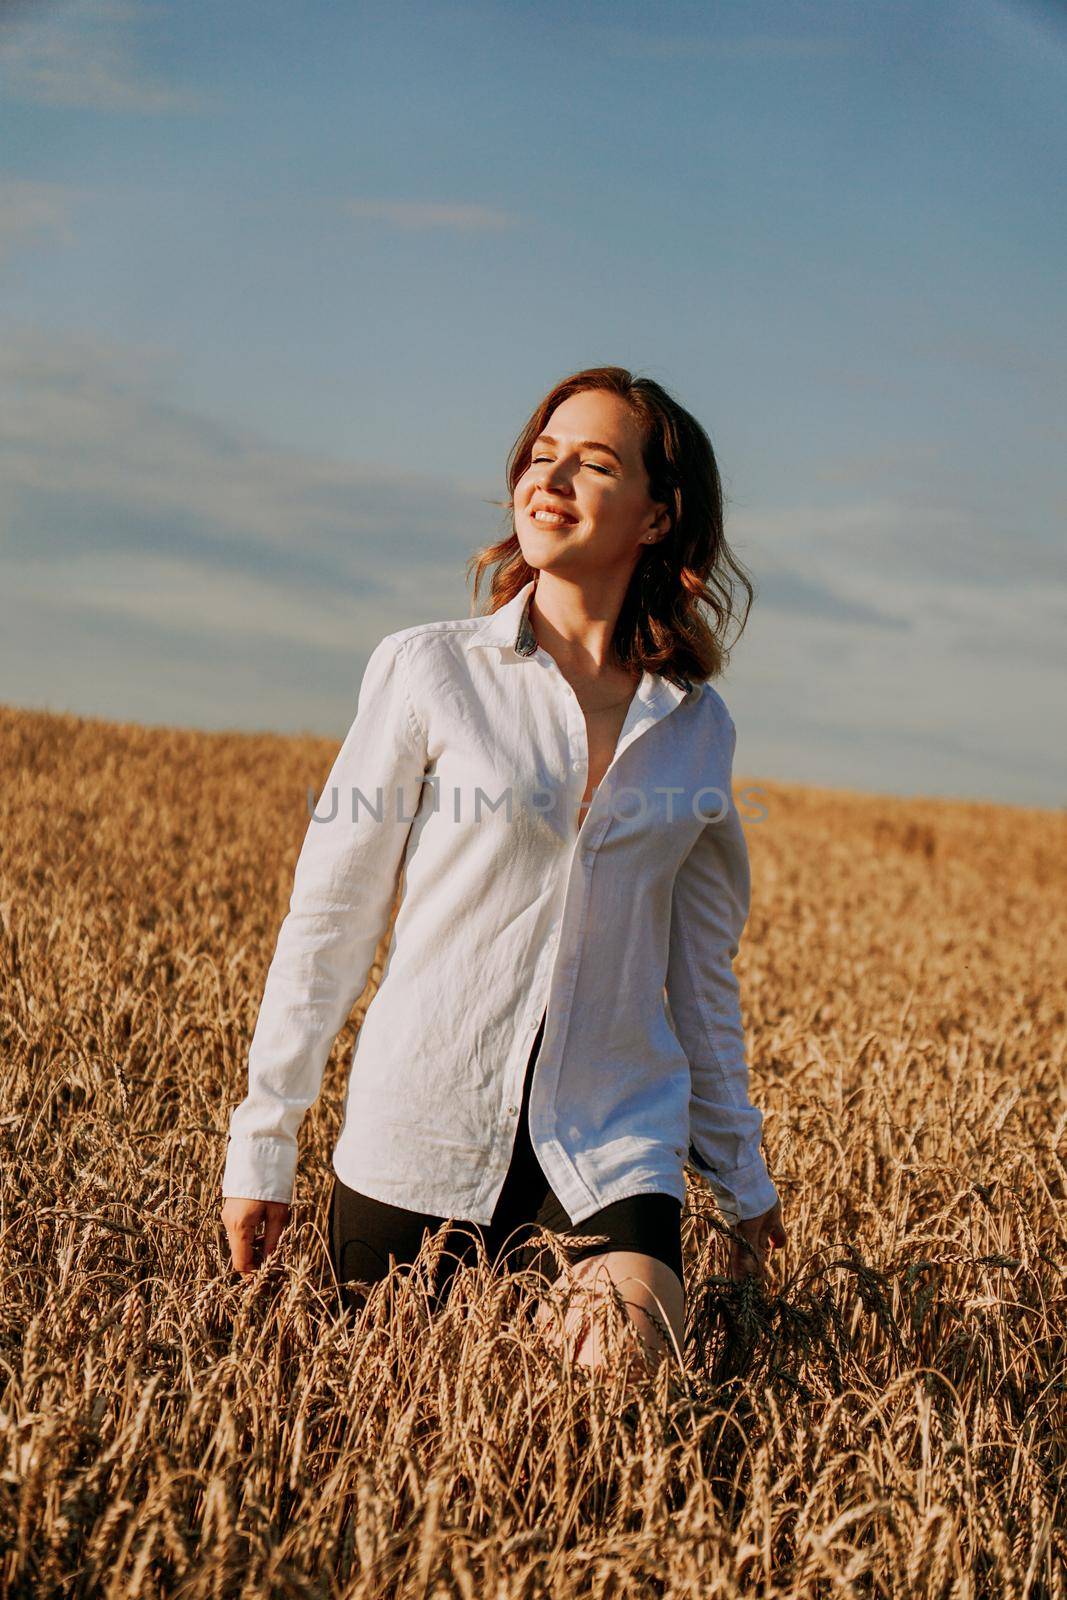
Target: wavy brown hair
660,627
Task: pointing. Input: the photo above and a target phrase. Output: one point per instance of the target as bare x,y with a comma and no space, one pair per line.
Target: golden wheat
889,1420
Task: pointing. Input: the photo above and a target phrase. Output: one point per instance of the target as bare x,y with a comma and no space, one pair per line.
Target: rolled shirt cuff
259,1169
741,1193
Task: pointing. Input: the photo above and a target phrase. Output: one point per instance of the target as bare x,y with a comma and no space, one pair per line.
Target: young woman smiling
558,1027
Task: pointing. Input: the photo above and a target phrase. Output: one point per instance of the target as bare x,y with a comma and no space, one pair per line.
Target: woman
558,1024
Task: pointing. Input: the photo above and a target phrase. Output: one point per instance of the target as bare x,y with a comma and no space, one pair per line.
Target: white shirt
465,769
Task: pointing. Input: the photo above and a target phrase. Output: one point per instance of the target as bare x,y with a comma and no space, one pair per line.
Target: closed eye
606,470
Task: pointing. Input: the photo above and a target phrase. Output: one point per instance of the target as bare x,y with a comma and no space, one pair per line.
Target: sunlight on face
587,465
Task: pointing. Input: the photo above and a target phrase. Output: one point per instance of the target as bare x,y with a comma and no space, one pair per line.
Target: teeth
550,516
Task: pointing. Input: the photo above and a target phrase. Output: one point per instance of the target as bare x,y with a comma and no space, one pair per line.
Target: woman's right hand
253,1228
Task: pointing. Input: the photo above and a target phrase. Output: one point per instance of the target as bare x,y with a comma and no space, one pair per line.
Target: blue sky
279,285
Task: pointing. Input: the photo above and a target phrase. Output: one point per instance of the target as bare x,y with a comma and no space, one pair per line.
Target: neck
575,621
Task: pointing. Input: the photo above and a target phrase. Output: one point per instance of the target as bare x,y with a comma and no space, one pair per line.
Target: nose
555,480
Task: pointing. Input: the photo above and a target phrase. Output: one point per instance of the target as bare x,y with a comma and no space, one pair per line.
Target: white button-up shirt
463,775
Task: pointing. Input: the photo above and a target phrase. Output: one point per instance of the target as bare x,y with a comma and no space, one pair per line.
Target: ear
662,524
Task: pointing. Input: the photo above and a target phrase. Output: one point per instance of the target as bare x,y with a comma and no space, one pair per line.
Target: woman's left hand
761,1234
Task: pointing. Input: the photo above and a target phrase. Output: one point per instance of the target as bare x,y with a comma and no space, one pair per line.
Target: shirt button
511,1111
576,766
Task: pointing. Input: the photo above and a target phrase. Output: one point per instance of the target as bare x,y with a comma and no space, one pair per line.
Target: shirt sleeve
343,891
709,909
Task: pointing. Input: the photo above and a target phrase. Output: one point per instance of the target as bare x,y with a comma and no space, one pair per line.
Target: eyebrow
583,444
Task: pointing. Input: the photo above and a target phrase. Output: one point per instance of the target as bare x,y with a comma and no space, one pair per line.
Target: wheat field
889,1419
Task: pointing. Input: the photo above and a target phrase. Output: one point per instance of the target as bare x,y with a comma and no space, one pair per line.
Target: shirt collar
510,627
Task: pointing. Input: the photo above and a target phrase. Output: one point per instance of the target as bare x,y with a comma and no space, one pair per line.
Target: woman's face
586,463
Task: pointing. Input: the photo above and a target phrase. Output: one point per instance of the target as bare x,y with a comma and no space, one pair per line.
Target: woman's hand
243,1220
760,1233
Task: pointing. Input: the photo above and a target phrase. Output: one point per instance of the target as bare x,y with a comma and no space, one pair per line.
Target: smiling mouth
553,519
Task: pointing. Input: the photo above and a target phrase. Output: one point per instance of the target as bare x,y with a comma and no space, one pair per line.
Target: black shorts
365,1233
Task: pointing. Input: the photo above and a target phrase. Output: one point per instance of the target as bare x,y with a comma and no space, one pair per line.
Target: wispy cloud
754,46
192,596
82,57
208,575
912,547
784,589
117,498
213,577
984,602
96,465
125,510
32,212
463,216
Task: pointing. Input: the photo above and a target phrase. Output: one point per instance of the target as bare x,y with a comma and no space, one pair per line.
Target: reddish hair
660,626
